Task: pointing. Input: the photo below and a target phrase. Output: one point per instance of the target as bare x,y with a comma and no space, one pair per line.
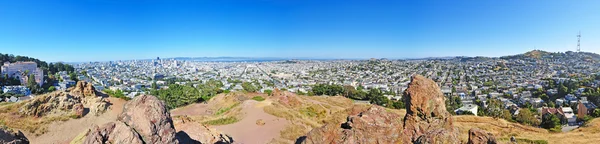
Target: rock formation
193,132
426,121
84,89
375,125
63,103
426,117
150,118
113,132
477,136
144,119
53,103
9,136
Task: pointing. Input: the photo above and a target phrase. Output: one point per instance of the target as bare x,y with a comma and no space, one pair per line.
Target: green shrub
222,121
226,109
258,98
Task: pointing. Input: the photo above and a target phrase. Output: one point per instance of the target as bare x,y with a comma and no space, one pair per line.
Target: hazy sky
101,30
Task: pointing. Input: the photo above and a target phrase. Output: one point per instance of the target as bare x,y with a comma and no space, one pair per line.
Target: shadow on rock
184,138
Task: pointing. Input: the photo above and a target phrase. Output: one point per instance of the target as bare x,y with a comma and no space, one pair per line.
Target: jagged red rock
478,136
9,136
150,118
426,116
376,125
84,89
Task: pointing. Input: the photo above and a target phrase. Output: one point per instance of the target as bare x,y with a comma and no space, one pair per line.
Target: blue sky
102,30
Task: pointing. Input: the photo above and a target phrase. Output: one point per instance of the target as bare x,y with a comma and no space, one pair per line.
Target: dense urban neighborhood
550,90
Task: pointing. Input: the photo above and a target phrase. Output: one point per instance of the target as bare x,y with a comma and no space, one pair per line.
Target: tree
525,116
51,88
495,108
507,115
154,85
269,92
249,87
550,121
596,113
33,85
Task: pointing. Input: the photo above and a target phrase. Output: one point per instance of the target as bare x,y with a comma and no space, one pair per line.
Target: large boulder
375,125
63,103
192,132
113,132
426,117
9,136
53,103
150,118
478,136
83,88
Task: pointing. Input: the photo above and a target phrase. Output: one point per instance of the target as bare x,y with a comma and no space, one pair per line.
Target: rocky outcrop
376,125
190,131
79,109
477,136
9,136
144,119
63,103
427,119
113,132
84,89
150,118
53,103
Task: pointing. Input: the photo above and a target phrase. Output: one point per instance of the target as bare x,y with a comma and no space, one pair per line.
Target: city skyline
82,31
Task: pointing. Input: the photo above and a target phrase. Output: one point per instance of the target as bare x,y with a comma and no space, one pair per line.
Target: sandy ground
64,132
246,131
193,109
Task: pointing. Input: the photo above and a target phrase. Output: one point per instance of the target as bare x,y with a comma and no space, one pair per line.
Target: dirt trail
63,132
193,109
246,131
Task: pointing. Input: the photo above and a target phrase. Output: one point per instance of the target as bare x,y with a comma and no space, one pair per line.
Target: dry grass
292,132
503,130
10,117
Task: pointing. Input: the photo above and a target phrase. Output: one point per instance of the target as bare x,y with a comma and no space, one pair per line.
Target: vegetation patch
292,132
525,141
226,109
222,121
117,94
258,98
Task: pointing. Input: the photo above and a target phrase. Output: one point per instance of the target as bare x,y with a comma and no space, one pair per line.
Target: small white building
569,115
470,107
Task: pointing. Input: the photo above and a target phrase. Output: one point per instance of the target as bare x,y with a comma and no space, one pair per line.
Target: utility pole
578,41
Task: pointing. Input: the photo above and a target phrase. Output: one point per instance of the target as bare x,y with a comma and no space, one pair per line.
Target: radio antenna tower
578,41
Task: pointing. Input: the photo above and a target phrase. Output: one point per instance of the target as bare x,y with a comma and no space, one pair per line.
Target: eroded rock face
426,121
376,125
150,118
113,132
9,136
193,132
84,89
477,136
57,102
426,117
144,119
63,103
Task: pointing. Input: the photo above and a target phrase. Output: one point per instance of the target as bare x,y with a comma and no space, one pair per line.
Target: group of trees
375,96
180,95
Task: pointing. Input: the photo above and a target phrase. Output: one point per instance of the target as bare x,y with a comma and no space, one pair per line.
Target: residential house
469,107
584,108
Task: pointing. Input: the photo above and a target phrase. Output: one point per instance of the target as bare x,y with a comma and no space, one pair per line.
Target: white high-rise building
18,70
